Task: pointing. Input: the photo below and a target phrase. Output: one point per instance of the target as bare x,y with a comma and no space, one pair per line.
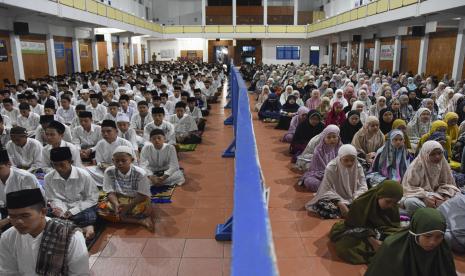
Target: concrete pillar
17,57
52,64
265,12
338,52
330,54
459,55
397,52
423,56
122,58
76,55
131,52
349,53
204,13
95,65
109,50
361,54
296,12
234,12
377,54
139,53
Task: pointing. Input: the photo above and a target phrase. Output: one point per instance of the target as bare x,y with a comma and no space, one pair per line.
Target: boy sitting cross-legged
160,161
71,191
128,191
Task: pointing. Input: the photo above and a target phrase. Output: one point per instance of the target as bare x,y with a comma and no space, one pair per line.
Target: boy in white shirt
71,191
113,109
98,110
141,119
10,111
196,113
36,107
25,153
185,128
66,110
125,132
86,135
158,115
29,120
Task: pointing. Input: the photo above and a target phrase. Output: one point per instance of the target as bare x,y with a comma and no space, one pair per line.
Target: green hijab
365,211
400,254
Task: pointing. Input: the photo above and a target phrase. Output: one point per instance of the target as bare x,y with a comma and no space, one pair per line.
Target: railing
252,248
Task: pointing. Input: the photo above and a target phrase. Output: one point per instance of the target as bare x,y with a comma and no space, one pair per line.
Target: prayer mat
186,147
162,194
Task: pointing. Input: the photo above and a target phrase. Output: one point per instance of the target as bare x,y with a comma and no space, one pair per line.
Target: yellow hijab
395,125
434,127
452,131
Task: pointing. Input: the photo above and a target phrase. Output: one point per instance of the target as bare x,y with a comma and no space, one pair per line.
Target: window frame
288,52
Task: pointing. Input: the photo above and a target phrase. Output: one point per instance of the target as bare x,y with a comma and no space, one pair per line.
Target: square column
76,55
423,56
265,12
349,53
459,55
131,52
17,57
377,54
121,53
204,13
397,52
109,50
338,52
296,12
330,54
139,53
234,12
361,54
52,65
95,65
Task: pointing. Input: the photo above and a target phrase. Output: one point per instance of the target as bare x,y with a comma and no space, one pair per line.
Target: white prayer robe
74,194
29,123
19,253
183,126
104,150
29,156
67,114
84,139
164,159
167,128
98,112
138,123
47,163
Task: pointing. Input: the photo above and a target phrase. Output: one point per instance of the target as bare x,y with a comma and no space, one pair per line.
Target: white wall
177,12
338,6
177,45
132,6
269,50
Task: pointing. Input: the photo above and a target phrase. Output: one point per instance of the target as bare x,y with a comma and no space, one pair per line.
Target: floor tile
284,229
289,247
317,246
201,266
164,248
113,266
157,267
171,229
299,266
124,247
227,249
203,248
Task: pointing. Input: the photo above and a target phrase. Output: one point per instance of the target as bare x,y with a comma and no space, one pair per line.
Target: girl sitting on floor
343,182
350,126
296,120
372,217
336,116
288,110
325,152
418,251
368,140
269,112
306,131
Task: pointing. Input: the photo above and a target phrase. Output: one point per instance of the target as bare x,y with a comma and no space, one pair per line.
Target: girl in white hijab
363,96
288,91
376,108
339,97
419,126
343,182
262,97
428,181
360,107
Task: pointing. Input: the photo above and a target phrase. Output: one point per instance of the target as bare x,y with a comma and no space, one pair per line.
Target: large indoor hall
232,137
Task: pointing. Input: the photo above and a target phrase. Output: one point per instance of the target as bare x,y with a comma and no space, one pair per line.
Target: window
288,52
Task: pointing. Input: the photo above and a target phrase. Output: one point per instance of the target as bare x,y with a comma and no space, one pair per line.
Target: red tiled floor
205,200
203,248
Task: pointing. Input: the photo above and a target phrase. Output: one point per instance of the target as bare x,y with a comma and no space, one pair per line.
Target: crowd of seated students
382,151
87,147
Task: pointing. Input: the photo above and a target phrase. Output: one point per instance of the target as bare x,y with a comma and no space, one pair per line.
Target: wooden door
102,55
35,58
6,62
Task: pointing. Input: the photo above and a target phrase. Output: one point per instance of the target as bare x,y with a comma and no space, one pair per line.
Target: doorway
69,63
315,55
221,54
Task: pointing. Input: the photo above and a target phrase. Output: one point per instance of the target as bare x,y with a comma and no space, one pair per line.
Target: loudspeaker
100,38
356,38
418,30
20,28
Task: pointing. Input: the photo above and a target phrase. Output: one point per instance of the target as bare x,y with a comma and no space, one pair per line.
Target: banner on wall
387,52
3,51
59,50
167,53
84,50
31,47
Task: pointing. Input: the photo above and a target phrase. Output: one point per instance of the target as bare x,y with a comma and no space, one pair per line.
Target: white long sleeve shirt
74,194
154,160
29,123
98,112
19,253
104,150
167,128
84,139
29,156
47,163
17,180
